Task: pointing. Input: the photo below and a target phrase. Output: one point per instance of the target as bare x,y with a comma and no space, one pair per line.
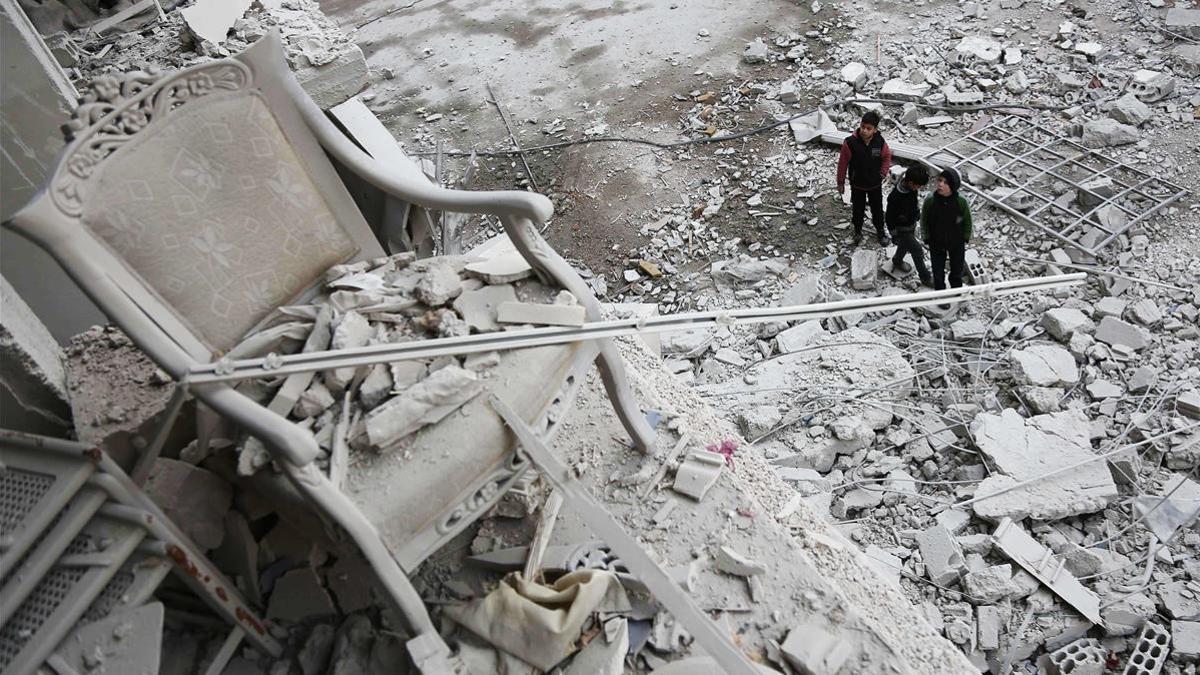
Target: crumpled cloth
541,624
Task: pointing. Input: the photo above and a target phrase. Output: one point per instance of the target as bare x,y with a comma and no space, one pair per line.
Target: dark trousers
937,257
907,244
858,204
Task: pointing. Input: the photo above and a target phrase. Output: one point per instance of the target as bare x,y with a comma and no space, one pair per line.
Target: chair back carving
190,180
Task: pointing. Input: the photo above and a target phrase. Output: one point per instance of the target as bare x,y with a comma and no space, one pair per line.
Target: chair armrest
292,443
529,205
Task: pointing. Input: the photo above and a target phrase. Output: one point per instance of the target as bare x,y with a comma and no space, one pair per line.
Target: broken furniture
190,206
79,542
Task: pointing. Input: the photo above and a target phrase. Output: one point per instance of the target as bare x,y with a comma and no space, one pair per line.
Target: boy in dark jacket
867,158
902,217
946,227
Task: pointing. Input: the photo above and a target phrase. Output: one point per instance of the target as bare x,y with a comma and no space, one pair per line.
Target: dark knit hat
952,178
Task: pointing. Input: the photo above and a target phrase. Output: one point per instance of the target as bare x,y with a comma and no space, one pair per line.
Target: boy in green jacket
946,228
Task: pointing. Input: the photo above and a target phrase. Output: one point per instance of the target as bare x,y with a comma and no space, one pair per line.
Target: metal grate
20,491
29,618
112,595
1078,195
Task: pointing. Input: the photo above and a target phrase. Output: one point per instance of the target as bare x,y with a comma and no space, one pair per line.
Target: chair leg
612,372
430,652
547,262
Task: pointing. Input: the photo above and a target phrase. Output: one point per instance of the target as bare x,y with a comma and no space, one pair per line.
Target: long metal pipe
276,366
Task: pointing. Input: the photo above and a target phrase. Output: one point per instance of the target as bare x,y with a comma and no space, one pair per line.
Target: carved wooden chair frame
117,111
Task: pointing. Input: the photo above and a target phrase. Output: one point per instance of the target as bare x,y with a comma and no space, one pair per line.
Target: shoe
856,239
884,239
902,266
927,282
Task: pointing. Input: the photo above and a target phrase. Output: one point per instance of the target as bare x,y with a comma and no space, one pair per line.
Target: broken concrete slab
194,498
31,364
1130,110
503,268
1114,331
812,648
1044,365
211,20
541,315
298,596
1028,450
1183,20
1184,640
1062,322
424,403
797,337
688,343
1108,132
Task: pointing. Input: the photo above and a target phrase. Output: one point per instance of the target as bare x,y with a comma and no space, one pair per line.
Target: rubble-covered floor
878,423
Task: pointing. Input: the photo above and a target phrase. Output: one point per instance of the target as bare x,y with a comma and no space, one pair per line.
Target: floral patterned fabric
214,210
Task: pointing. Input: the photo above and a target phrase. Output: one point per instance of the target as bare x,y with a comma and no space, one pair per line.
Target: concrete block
541,315
31,364
854,74
1185,635
334,82
195,499
989,621
863,269
1044,365
422,404
1062,322
943,558
299,595
1149,653
797,337
1081,657
1114,331
991,584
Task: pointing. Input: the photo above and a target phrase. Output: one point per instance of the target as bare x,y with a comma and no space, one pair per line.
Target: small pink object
726,449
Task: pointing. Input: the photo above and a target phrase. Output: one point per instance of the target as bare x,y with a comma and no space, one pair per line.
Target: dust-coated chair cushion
214,210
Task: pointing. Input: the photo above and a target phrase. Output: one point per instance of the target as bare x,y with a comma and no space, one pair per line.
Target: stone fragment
730,561
756,422
376,386
797,337
1042,400
314,655
811,647
479,307
981,48
1113,331
862,269
440,284
1180,600
1102,389
698,473
954,520
1108,132
1110,306
1045,365
1142,379
854,74
756,52
1028,450
1145,312
1186,638
943,558
352,331
424,403
298,596
1061,322
195,499
688,343
988,622
541,315
504,268
314,401
1129,110
991,584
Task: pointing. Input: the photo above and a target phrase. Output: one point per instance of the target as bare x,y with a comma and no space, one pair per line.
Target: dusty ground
633,67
